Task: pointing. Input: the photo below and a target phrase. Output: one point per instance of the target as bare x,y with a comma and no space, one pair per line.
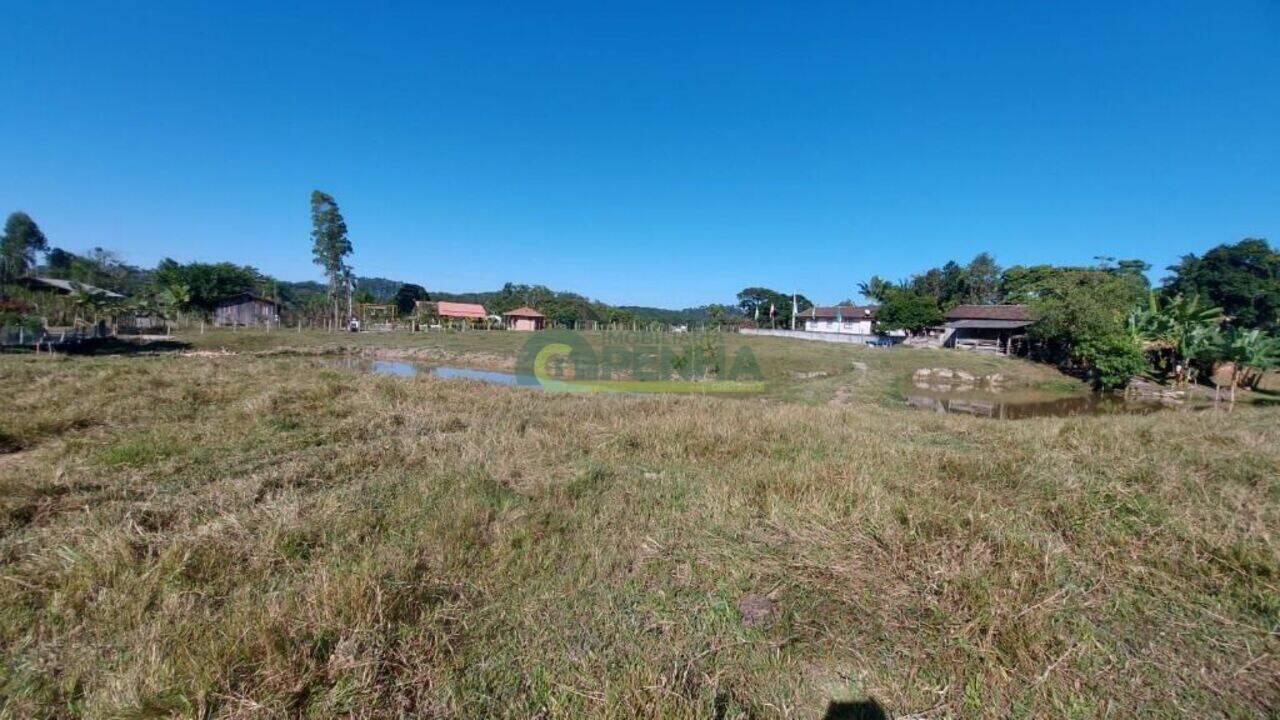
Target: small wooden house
246,309
524,319
989,328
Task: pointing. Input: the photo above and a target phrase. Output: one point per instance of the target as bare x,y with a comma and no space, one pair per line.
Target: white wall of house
848,327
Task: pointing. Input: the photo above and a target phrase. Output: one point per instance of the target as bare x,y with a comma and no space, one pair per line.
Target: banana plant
1251,353
1178,329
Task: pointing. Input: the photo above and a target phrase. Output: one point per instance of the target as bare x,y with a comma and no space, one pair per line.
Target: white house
842,319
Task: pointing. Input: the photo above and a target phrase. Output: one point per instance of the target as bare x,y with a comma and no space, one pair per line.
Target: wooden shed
989,328
246,309
524,319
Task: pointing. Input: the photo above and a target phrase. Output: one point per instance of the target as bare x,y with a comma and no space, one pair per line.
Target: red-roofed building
525,319
461,311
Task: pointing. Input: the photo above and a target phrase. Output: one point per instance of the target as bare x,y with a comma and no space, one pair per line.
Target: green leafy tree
565,308
21,241
981,281
931,282
199,286
718,314
758,298
1022,284
407,295
330,246
1113,357
908,310
613,316
1081,317
1243,279
58,263
17,313
953,284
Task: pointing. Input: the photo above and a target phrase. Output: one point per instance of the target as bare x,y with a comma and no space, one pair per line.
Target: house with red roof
524,319
454,312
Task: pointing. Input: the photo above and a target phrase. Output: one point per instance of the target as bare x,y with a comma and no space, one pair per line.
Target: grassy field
272,536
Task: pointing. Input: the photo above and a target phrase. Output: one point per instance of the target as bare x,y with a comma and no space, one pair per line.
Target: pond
404,368
993,406
982,404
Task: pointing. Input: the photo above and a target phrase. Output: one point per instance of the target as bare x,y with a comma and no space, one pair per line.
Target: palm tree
89,300
172,299
877,288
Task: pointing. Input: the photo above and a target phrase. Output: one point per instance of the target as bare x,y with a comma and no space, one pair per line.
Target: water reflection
393,367
405,368
489,376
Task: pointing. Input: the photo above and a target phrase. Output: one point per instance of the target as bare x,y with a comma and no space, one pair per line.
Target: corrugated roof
989,312
988,324
847,312
525,311
66,286
460,310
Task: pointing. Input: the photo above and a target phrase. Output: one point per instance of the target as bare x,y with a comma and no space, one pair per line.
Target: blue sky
663,154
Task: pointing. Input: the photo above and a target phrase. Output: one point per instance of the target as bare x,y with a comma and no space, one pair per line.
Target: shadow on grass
126,346
867,709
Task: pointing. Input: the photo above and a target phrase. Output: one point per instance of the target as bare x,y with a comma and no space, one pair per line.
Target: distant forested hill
104,269
687,316
566,307
382,289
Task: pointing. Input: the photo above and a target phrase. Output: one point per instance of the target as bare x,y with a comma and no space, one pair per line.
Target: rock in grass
757,610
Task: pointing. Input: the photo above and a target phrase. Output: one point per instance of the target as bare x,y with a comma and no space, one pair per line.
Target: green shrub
1113,358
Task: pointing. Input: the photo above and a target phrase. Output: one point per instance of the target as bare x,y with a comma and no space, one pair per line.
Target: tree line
1222,306
195,288
1105,319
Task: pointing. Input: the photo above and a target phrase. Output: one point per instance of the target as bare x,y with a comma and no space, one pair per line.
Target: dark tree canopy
977,283
982,281
21,240
1243,279
758,298
407,295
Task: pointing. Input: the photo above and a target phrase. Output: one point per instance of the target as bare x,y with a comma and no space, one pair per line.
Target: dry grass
274,537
